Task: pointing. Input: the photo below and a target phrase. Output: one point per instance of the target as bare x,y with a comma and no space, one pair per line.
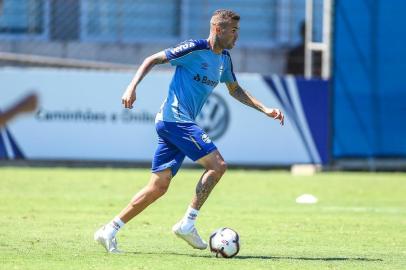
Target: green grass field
48,217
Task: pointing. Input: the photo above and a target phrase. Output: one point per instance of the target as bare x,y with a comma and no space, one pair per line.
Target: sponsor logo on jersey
183,47
205,80
197,78
206,138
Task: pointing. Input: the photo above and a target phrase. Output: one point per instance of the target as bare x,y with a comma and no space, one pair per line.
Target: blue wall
369,80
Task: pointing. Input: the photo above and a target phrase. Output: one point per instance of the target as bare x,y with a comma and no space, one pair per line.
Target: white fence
81,118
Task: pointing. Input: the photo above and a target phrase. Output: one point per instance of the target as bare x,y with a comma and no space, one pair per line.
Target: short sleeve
180,54
228,72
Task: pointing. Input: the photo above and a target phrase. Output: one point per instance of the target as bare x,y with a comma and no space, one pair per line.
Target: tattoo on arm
246,98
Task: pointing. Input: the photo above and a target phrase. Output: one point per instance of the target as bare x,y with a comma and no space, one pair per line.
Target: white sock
112,228
189,219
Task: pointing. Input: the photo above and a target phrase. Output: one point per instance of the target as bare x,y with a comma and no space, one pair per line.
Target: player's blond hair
222,17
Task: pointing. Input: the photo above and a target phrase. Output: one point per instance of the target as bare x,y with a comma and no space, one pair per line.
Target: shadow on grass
309,258
242,257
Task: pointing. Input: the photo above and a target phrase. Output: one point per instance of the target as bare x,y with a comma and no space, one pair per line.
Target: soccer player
25,105
200,66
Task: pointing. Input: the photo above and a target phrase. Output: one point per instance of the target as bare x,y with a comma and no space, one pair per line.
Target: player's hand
128,98
277,115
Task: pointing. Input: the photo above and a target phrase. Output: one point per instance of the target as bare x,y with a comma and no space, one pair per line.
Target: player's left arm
246,98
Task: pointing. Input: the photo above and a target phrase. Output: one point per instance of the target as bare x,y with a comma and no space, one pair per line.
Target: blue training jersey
198,71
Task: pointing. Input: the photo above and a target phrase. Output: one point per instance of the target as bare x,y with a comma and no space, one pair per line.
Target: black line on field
262,257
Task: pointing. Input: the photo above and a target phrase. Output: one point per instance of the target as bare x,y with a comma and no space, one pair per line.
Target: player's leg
215,168
185,228
195,143
157,186
167,161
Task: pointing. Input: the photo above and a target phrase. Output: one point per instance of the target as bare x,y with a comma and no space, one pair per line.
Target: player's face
229,34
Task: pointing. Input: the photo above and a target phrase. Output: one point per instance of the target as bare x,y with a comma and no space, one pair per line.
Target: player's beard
226,45
230,45
220,42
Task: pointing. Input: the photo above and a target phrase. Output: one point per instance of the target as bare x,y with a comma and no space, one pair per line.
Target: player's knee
160,191
220,169
157,189
161,187
223,167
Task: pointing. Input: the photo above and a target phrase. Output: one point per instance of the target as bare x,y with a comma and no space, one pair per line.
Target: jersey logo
206,138
205,80
204,66
209,82
183,47
197,78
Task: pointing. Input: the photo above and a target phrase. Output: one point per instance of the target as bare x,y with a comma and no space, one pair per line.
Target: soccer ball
225,242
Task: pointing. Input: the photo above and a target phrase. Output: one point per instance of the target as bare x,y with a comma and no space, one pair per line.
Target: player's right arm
129,95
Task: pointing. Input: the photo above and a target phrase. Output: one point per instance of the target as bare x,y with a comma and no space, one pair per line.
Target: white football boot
110,244
192,237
